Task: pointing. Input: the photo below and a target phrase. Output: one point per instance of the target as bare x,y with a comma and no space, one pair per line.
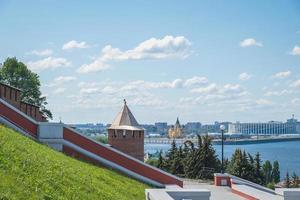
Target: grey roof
125,120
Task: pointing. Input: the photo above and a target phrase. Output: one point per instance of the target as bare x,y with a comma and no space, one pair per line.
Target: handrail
249,183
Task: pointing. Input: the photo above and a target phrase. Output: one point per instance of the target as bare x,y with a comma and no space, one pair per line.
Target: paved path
217,193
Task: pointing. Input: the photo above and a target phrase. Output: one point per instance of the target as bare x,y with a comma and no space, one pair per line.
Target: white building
266,128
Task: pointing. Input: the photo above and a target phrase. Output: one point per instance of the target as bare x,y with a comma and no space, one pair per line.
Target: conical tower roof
125,120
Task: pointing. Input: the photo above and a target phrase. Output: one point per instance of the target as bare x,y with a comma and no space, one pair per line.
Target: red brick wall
218,180
19,120
132,143
32,111
10,95
13,97
108,154
75,154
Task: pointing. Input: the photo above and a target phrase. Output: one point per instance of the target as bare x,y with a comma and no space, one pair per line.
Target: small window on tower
133,134
115,135
124,133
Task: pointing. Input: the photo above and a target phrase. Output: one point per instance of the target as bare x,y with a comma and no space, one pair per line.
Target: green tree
267,170
17,74
276,172
287,181
257,169
152,161
177,167
235,164
189,162
161,161
210,162
247,168
194,164
295,180
170,157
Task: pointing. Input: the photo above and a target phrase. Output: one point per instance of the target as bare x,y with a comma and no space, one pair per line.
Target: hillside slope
29,170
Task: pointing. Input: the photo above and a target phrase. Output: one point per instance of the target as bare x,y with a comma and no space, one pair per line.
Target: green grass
29,170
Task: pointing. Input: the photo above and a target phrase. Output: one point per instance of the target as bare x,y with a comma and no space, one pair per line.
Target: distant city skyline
201,61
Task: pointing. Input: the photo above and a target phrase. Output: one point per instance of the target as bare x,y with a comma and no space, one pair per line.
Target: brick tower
126,135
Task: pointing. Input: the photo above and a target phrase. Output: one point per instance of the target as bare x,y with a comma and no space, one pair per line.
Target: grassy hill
29,170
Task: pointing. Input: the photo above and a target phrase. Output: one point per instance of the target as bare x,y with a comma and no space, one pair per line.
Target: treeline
188,161
201,162
245,166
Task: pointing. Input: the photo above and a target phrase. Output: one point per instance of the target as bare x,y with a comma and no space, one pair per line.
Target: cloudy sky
199,60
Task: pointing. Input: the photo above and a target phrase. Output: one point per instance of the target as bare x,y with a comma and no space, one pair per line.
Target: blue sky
200,60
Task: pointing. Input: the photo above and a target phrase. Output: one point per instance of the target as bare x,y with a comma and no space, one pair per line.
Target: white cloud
59,91
48,63
45,52
295,84
250,42
295,101
61,80
151,101
264,102
196,80
167,47
295,51
283,74
138,85
108,94
232,87
96,66
73,44
244,76
277,93
208,89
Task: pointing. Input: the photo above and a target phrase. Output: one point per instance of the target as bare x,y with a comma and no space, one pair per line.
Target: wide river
287,153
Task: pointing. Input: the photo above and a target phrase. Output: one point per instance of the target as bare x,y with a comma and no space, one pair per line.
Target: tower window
133,134
114,135
124,133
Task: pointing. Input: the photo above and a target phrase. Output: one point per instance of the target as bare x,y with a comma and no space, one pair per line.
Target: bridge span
169,140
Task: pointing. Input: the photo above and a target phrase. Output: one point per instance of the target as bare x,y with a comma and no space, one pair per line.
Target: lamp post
222,127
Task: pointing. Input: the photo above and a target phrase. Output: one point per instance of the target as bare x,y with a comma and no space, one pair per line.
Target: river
287,153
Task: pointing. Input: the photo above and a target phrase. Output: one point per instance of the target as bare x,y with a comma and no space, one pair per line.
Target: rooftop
125,120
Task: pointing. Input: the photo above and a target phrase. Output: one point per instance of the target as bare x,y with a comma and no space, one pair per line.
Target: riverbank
257,140
228,141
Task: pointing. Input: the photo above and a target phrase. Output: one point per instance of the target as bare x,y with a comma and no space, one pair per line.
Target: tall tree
17,74
257,169
189,161
276,172
178,167
287,181
194,162
235,165
209,158
295,180
267,170
170,157
161,161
